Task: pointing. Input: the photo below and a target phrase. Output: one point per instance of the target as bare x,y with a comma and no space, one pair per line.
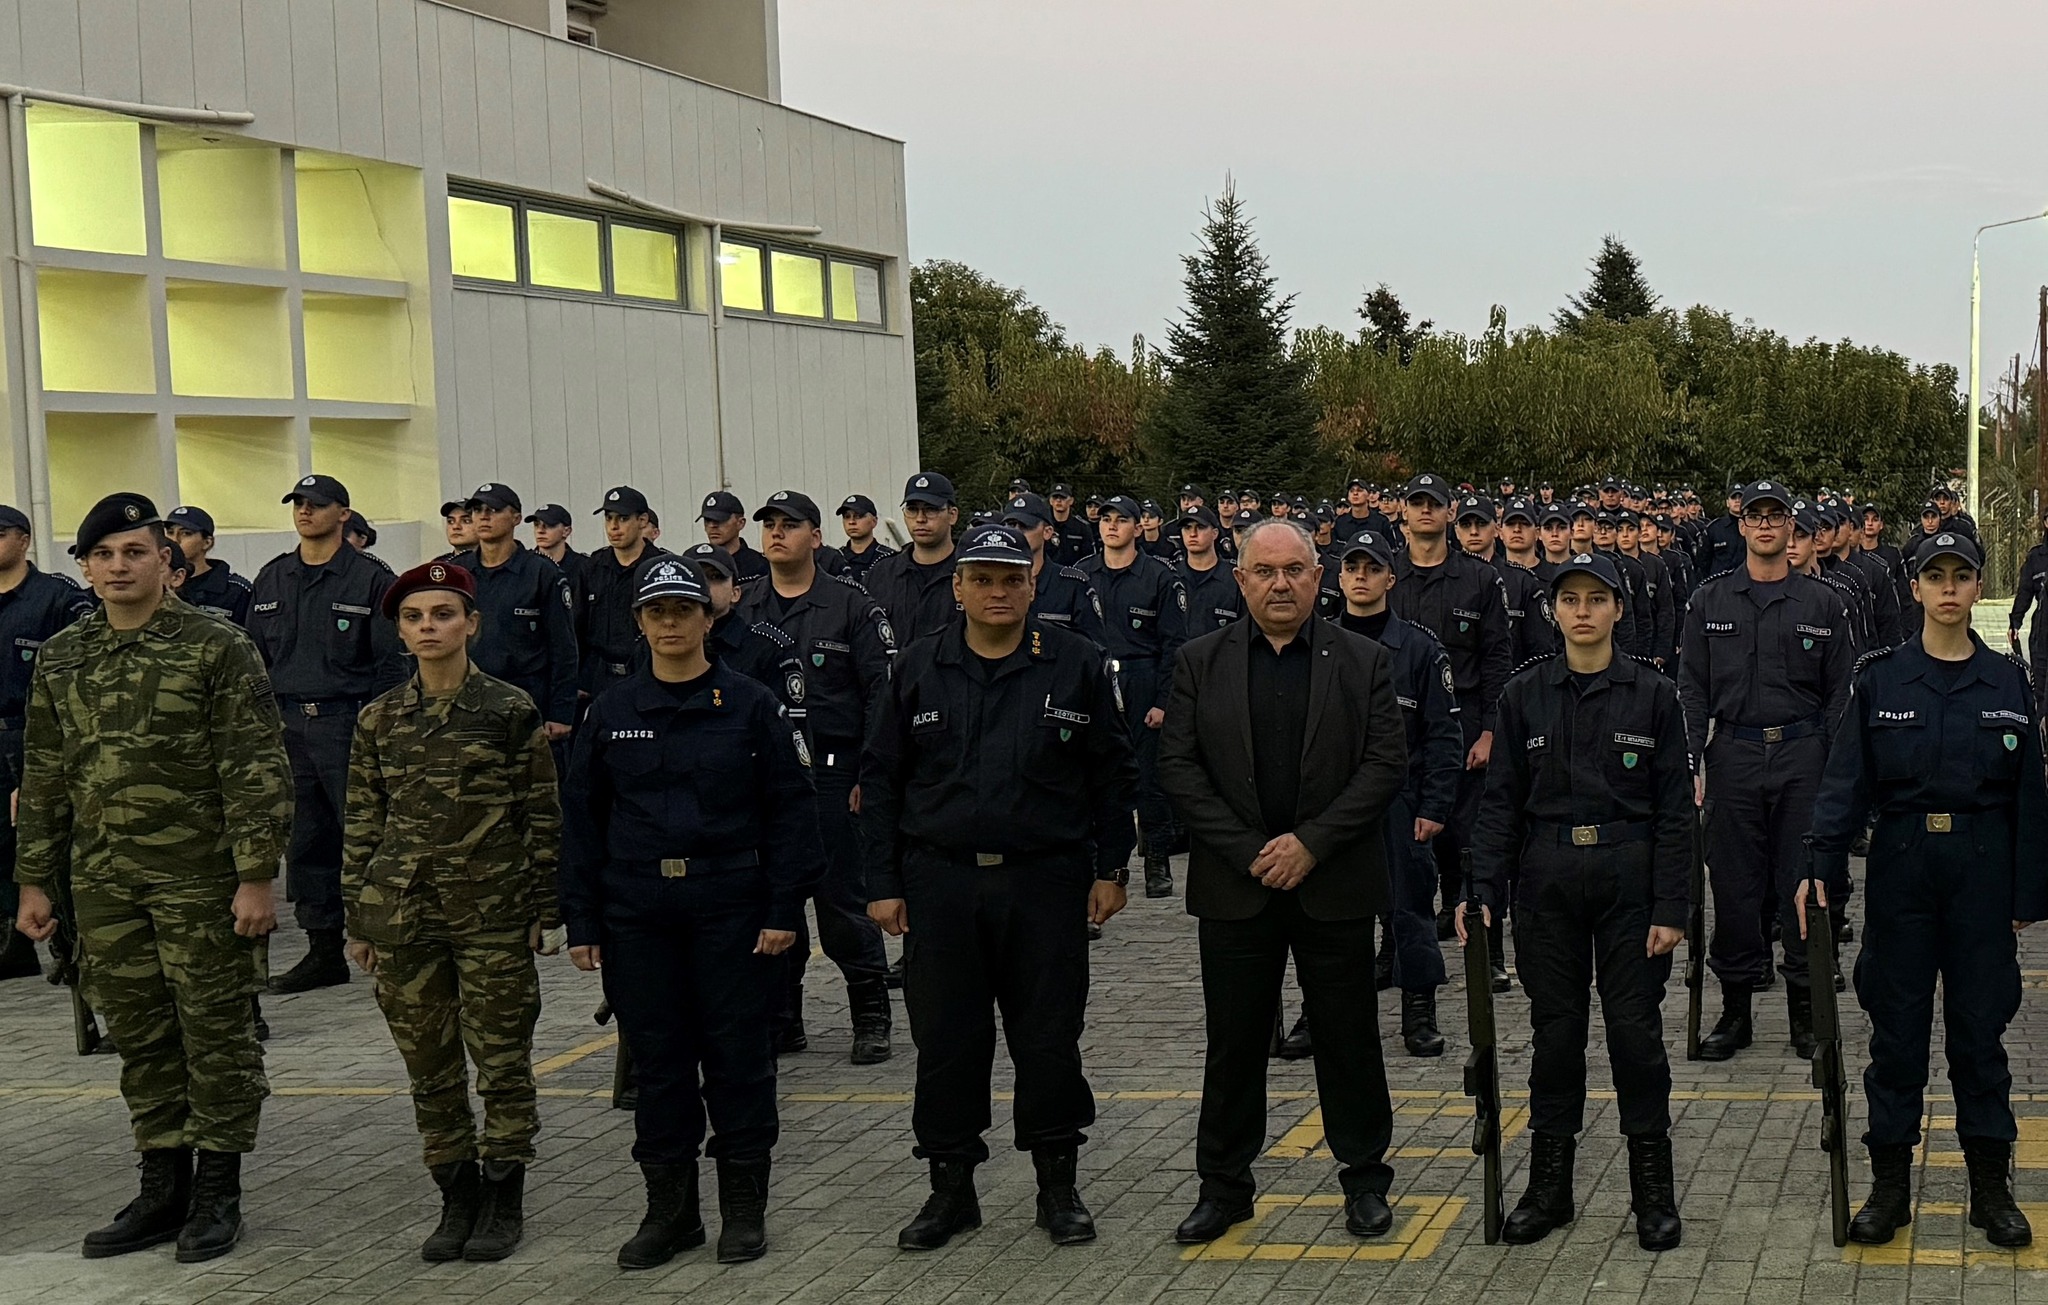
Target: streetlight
1971,484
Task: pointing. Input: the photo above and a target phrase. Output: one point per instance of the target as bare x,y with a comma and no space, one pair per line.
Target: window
799,284
505,240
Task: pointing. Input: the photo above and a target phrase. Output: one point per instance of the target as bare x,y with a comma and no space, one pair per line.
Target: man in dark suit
1282,749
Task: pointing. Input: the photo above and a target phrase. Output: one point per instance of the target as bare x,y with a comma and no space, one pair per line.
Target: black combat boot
1547,1204
1799,1006
157,1212
1297,1045
501,1221
1890,1206
323,965
742,1210
1418,1023
461,1194
868,1001
1733,1031
790,1037
672,1223
1497,943
1060,1211
17,954
1991,1205
1158,876
1652,1193
951,1208
214,1223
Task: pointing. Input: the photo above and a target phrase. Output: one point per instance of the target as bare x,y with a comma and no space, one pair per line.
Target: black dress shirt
1278,684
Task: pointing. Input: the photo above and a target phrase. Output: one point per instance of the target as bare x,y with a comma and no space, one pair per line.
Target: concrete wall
733,43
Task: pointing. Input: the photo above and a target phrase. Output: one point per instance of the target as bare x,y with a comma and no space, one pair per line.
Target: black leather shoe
1366,1214
1890,1206
1297,1045
214,1223
790,1037
1211,1218
1418,1023
323,965
461,1195
672,1223
1158,877
1547,1204
952,1208
157,1212
1991,1204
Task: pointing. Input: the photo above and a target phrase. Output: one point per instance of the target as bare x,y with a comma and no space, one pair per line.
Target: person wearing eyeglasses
1763,670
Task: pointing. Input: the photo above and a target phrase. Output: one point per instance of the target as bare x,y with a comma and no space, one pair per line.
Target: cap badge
437,573
132,512
307,481
612,497
922,482
780,495
1943,540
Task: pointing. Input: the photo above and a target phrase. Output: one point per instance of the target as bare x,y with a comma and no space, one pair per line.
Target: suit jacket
1354,759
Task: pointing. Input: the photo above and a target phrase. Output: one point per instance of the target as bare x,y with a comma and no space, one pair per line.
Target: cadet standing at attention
212,587
1940,743
999,783
1587,821
610,637
527,614
154,775
449,875
915,586
690,841
313,615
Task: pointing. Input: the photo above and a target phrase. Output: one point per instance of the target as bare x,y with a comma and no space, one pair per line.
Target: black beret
112,515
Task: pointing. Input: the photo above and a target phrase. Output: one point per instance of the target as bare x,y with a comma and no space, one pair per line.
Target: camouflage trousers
162,963
481,993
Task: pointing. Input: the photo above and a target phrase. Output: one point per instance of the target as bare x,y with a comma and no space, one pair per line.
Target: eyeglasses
1772,519
1265,574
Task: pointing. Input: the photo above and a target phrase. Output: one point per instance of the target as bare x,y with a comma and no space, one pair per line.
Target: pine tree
1236,411
1619,292
1387,324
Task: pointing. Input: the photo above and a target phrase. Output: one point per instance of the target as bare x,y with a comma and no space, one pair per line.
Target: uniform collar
468,695
1037,647
714,692
164,625
1622,670
1920,665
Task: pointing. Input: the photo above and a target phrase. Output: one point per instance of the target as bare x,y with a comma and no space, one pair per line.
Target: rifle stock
1482,1065
1696,939
1829,1071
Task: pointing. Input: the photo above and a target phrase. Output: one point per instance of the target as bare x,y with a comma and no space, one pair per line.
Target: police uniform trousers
1581,918
851,940
163,965
317,736
1450,845
1759,809
693,1003
451,990
1139,682
1243,962
1412,881
1007,937
1939,905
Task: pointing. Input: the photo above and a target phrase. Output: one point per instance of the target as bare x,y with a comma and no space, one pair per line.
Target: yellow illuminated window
481,240
644,263
856,293
85,180
739,277
561,252
799,284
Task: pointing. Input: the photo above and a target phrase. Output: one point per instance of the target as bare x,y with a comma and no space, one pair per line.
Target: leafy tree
1235,411
1619,291
1387,324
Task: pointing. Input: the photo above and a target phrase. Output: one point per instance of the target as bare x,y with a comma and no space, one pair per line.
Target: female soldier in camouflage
448,875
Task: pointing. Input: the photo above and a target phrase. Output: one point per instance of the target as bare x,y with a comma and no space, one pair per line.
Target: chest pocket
348,635
1898,746
1629,757
1461,628
1064,725
1999,744
1142,620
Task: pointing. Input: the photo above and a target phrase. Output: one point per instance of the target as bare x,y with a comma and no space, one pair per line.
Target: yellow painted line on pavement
1902,1250
2030,1153
1417,1234
574,1054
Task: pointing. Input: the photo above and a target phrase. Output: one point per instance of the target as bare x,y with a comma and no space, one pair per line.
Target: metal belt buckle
309,709
988,858
674,867
1774,733
1585,835
1940,822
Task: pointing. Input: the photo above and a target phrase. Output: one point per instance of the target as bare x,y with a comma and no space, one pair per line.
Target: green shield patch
1629,759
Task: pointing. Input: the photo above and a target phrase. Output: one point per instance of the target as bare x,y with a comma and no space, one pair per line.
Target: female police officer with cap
1940,743
691,839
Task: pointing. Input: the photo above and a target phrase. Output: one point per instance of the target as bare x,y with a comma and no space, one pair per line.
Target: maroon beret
430,575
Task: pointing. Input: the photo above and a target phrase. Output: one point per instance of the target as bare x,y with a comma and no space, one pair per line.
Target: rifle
625,1092
1696,939
85,1029
1482,1066
1829,1073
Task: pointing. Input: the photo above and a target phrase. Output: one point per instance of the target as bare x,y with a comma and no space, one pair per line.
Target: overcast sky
1818,167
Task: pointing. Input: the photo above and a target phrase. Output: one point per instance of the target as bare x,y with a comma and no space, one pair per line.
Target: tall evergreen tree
1619,292
1388,328
1236,411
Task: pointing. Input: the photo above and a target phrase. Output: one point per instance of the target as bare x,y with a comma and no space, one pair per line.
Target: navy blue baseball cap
721,505
1764,491
1428,485
1028,509
1597,565
13,518
791,503
184,516
999,544
929,488
1951,543
858,505
623,501
1123,505
359,526
1200,516
549,514
1373,544
320,491
1475,505
1518,507
672,577
711,557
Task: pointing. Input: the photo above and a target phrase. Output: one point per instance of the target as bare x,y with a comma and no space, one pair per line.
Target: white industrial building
562,244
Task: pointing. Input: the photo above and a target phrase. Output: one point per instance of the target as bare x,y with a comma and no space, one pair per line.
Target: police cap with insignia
1475,507
998,544
1806,519
1027,509
1597,565
1518,507
1121,504
929,488
182,517
1200,516
721,505
858,505
1428,486
1372,544
448,509
548,514
1947,542
359,527
1061,490
791,503
711,557
493,496
111,516
320,491
1555,514
428,576
623,501
672,577
1763,491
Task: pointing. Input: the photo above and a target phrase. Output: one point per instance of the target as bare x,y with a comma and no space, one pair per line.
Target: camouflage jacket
454,819
156,748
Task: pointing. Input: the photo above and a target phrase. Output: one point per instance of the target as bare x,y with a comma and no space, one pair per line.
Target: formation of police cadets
657,758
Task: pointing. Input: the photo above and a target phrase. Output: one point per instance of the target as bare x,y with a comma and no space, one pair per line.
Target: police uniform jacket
1633,632
764,654
1064,597
1530,623
1761,657
1145,610
1349,527
1884,598
219,592
2033,588
1659,601
454,816
846,641
611,643
1610,756
714,782
1464,604
1073,540
1214,600
1027,759
858,564
30,613
1721,546
1429,710
919,599
528,637
1913,745
320,628
1862,601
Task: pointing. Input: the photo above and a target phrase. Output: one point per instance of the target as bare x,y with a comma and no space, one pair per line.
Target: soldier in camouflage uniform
154,775
448,867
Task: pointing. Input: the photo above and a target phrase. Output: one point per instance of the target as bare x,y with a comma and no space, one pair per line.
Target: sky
1816,167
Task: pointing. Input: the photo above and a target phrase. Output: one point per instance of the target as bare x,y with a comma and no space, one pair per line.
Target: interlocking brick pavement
337,1202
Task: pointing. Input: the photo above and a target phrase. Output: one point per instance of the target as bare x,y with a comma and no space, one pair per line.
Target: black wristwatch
1121,876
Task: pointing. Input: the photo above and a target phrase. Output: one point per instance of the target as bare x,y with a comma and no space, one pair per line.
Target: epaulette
1648,663
235,578
1871,656
2026,671
1072,573
378,560
1716,576
1537,660
852,584
774,634
1427,635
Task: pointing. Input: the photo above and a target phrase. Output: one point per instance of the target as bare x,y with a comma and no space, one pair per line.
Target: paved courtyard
337,1201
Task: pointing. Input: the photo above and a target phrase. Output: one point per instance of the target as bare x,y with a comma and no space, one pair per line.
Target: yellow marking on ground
574,1054
2030,1153
1901,1250
1305,1139
1419,1228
